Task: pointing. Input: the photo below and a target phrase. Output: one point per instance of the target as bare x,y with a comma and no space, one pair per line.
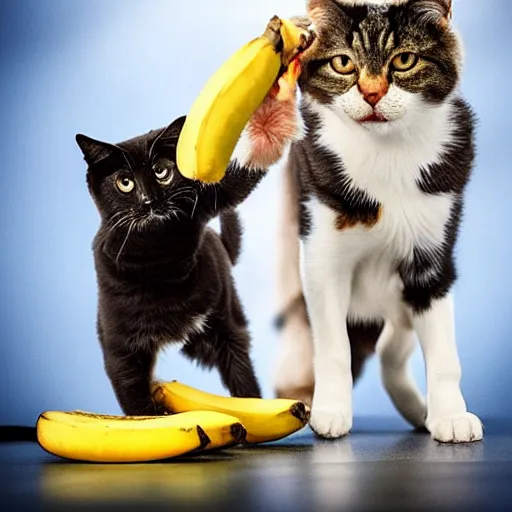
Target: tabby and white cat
374,192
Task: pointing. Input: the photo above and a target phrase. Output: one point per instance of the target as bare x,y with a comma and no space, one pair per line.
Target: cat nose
373,88
372,98
146,204
144,197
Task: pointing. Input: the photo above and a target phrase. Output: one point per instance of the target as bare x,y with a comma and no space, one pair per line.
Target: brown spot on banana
203,438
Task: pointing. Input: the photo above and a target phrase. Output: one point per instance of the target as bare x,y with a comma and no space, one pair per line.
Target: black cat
163,275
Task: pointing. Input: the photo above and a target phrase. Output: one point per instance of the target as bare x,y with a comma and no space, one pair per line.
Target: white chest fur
388,168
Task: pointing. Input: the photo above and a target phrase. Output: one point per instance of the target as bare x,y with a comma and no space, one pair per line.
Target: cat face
135,184
381,63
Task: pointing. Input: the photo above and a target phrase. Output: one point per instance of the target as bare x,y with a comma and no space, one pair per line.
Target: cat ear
303,22
325,14
169,134
174,129
318,12
434,11
448,11
94,151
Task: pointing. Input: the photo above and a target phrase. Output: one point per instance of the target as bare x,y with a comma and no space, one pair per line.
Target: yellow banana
230,97
92,437
264,419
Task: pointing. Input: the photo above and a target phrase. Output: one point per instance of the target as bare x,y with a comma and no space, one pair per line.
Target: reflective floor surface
380,466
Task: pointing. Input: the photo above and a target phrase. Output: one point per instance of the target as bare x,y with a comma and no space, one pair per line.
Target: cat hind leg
394,349
294,376
225,345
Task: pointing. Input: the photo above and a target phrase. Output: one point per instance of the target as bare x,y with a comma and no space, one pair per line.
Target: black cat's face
135,184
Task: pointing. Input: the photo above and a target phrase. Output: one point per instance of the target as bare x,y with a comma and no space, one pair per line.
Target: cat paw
330,425
457,428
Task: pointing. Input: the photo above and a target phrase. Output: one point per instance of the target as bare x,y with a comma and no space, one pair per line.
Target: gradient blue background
116,68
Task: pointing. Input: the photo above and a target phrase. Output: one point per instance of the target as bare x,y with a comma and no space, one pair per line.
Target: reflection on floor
380,466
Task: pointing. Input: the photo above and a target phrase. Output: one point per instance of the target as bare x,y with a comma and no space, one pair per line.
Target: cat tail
231,234
293,376
289,285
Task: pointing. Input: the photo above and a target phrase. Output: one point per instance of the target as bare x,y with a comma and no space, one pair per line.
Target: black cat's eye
405,61
125,184
163,170
343,65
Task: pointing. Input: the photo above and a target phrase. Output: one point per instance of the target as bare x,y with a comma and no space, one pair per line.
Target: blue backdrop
116,68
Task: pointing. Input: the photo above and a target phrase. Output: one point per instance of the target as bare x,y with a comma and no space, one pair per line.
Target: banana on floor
92,437
264,419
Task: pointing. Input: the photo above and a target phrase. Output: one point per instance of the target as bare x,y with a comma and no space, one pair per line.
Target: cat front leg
130,372
448,419
327,289
273,126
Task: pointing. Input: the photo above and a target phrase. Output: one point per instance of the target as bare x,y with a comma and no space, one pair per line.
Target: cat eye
405,61
163,172
125,184
343,65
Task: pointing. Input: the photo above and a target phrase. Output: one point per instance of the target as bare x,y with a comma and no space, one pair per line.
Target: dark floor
380,466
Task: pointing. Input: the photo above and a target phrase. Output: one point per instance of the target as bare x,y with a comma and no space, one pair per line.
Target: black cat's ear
94,151
174,129
169,134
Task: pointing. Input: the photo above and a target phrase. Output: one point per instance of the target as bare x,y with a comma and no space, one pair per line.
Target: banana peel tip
300,411
239,433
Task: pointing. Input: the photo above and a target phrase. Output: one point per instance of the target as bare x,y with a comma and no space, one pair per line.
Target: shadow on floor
380,466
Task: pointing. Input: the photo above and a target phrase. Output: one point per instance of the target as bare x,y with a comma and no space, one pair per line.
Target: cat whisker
184,197
117,214
120,222
182,191
141,223
175,212
133,222
185,194
195,204
110,223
